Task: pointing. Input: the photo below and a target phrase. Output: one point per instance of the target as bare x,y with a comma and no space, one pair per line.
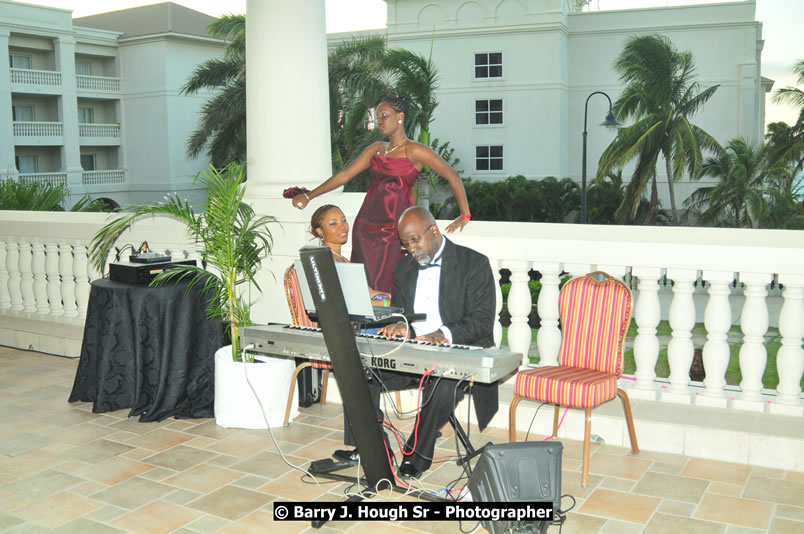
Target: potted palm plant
232,240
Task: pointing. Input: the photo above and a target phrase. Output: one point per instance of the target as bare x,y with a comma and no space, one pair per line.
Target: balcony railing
103,177
101,84
99,130
53,178
38,129
48,78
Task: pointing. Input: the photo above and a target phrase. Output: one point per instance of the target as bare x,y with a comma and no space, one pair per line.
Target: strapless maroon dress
375,241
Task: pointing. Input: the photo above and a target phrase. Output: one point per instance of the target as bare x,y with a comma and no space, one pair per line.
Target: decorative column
716,352
53,279
680,350
496,266
13,266
5,297
26,277
81,277
7,165
753,356
67,280
647,314
548,339
519,306
790,358
68,112
40,277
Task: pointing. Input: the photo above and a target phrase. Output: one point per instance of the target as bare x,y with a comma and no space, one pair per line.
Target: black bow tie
435,263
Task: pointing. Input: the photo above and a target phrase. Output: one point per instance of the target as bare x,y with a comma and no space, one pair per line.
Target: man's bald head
416,214
419,234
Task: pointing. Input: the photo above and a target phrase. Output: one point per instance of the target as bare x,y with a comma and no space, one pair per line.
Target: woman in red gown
393,167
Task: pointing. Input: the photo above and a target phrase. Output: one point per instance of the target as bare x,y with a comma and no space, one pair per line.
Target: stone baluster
26,277
647,314
40,277
53,278
682,320
548,339
519,306
716,353
67,280
790,358
498,329
753,356
13,266
81,278
5,297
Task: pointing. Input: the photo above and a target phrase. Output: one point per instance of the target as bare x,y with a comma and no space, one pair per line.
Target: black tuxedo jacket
466,301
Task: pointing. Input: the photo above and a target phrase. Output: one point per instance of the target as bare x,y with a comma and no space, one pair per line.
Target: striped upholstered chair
300,318
594,316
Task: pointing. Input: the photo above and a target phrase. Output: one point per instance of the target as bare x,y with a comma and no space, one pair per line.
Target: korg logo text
385,363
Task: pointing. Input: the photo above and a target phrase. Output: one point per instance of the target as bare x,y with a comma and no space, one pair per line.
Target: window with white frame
489,111
27,164
17,61
88,162
489,158
86,115
22,113
488,65
83,68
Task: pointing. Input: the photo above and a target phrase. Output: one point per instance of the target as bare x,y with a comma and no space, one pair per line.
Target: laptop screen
352,277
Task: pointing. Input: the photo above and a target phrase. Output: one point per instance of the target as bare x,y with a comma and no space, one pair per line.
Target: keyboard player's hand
436,338
394,330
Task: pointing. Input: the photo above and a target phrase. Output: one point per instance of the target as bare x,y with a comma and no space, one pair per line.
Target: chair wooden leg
293,390
512,418
555,421
629,420
398,401
324,381
587,434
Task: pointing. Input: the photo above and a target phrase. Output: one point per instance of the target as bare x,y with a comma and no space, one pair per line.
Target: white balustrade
5,297
13,266
519,306
53,278
81,278
548,338
647,314
498,329
38,129
682,320
48,78
67,280
753,356
26,277
790,358
97,83
716,353
40,277
98,130
103,177
53,178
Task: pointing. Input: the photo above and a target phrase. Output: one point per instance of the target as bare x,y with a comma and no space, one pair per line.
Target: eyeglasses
414,241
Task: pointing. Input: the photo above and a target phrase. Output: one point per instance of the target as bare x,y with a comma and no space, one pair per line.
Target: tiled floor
64,469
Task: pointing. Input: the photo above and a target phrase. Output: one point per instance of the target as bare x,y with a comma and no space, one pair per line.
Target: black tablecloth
151,349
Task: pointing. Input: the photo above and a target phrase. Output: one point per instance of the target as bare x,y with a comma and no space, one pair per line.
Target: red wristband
467,216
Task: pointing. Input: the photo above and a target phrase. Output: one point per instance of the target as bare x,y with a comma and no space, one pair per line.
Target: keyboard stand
471,452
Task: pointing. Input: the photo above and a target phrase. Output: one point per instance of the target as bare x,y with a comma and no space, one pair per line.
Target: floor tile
671,487
796,513
85,526
683,509
160,439
203,478
156,518
785,526
735,511
97,451
43,484
133,493
179,458
629,467
670,524
115,470
618,505
230,502
719,471
56,509
778,491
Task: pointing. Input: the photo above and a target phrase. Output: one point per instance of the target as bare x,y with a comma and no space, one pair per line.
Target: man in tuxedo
454,286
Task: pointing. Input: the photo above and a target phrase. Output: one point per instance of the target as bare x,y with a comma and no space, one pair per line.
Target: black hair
400,103
315,220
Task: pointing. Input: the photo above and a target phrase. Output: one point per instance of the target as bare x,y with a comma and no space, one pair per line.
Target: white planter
236,405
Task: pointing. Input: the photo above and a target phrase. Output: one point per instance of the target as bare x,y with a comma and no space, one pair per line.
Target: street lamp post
610,122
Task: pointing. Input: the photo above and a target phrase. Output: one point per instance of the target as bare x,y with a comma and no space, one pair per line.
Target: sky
781,22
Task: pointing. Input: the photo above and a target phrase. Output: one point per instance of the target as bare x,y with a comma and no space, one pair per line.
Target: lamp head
611,121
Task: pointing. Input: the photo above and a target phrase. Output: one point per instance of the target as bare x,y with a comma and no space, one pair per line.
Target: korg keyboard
450,361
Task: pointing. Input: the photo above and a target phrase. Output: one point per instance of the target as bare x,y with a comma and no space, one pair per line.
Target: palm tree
741,197
792,95
660,95
222,131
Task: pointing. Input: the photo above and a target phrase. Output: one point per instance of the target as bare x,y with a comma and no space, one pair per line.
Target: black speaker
518,472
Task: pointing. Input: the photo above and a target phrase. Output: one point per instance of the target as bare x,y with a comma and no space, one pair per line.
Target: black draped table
151,349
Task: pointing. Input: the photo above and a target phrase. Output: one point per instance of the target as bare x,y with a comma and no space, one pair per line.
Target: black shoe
407,471
346,456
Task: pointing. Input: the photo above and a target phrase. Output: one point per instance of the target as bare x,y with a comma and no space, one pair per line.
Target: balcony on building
36,120
101,167
95,76
97,122
33,65
39,164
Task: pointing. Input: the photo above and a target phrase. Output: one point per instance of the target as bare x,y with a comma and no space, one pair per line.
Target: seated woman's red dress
375,241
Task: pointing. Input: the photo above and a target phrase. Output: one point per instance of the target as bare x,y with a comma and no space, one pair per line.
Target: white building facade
95,103
514,76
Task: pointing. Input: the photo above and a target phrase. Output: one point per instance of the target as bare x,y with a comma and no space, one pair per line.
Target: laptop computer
352,277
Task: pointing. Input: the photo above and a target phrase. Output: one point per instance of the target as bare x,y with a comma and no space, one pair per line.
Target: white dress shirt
426,299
